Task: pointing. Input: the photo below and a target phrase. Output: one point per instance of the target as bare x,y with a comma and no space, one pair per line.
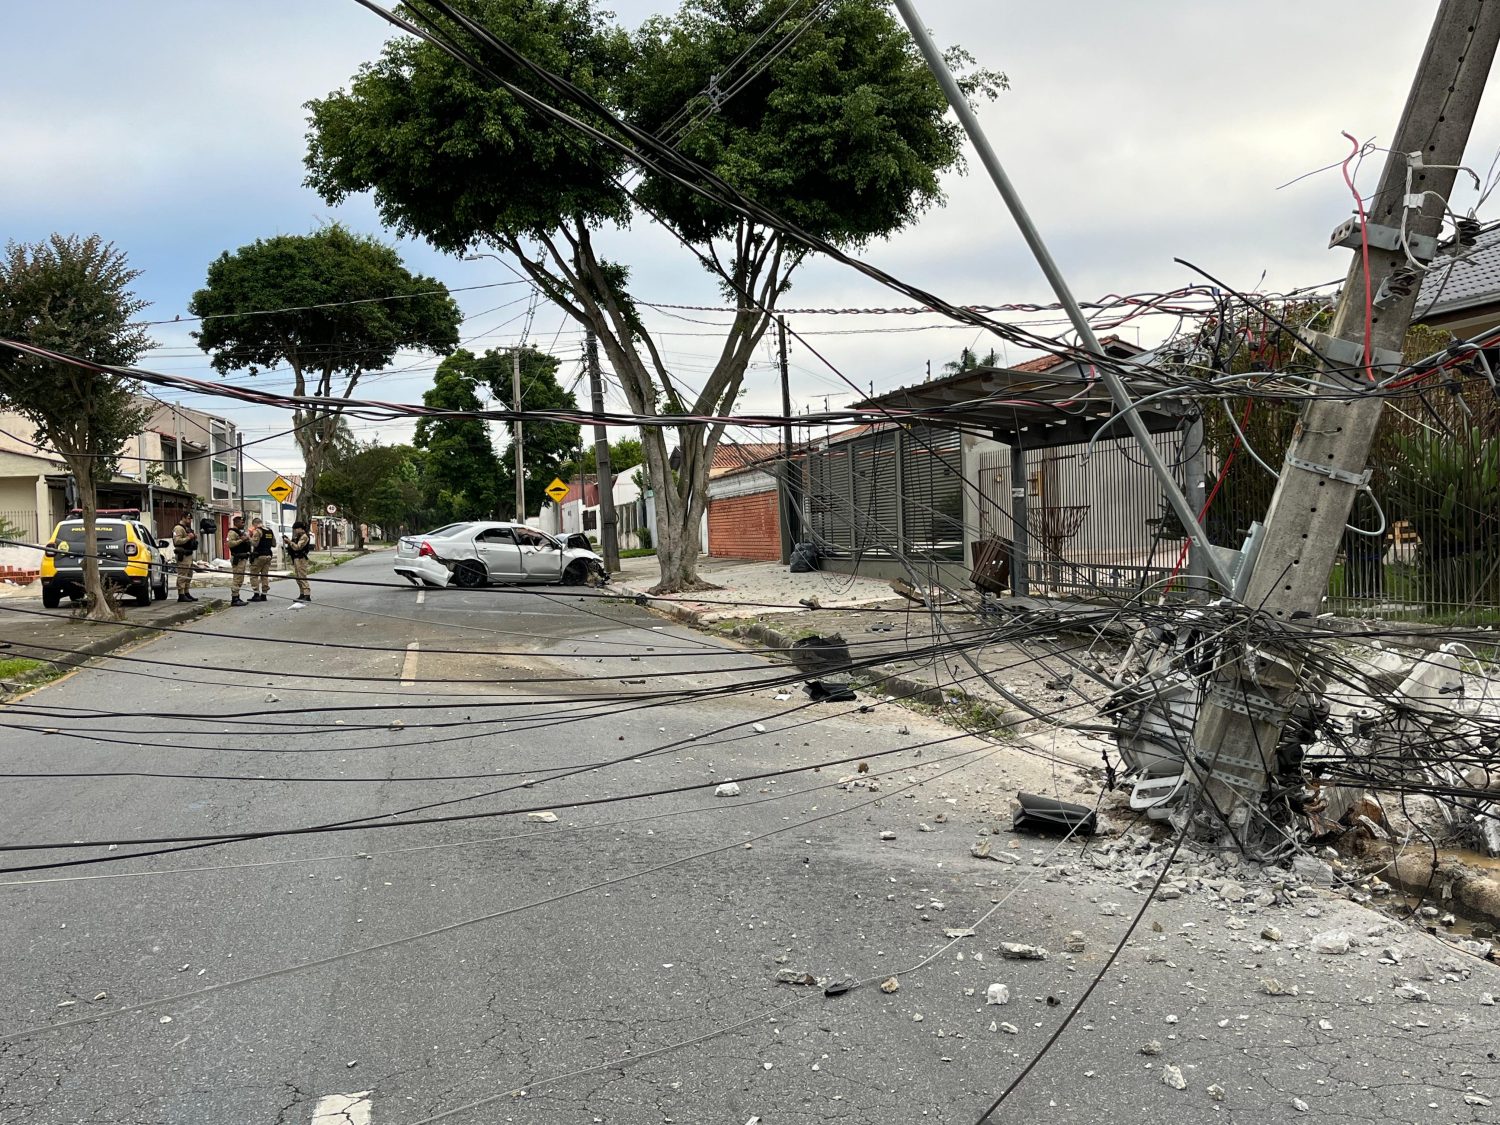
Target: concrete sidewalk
761,603
61,639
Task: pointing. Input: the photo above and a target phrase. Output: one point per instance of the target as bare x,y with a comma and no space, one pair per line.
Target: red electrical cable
1364,248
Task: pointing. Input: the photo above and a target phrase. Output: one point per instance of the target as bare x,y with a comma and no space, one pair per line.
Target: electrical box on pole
1250,697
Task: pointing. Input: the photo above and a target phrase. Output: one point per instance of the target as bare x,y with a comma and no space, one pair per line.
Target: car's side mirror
163,543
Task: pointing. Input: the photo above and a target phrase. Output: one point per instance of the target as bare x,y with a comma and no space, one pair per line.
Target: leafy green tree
73,295
841,128
624,455
462,472
969,359
331,306
359,481
547,447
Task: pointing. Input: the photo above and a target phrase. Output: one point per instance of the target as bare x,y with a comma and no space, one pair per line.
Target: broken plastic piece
1046,814
829,691
839,987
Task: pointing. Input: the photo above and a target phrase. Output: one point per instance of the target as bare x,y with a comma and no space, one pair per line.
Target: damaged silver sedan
485,552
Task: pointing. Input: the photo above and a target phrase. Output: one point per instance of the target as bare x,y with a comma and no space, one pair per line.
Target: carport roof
1030,408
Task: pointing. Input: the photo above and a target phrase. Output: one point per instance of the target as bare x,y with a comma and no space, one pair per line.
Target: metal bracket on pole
1351,353
1247,703
1358,480
1422,247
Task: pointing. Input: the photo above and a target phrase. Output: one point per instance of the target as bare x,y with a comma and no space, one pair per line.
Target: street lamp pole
515,399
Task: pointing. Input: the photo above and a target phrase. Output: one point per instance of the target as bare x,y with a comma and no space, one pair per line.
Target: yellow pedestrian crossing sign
557,490
279,489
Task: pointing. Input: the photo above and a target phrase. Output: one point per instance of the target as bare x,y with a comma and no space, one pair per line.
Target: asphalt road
617,964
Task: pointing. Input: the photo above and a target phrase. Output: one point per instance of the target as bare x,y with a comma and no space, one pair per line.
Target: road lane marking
343,1109
422,595
409,665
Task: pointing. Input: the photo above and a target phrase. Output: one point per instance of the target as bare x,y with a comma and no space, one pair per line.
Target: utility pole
608,534
791,506
1239,725
515,404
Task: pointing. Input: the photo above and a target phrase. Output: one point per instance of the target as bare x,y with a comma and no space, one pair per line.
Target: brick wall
745,527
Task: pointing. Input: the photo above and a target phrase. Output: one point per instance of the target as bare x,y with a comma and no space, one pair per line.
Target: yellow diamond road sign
557,490
279,489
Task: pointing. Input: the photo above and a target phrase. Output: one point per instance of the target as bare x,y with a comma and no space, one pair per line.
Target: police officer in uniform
262,551
298,547
184,543
238,542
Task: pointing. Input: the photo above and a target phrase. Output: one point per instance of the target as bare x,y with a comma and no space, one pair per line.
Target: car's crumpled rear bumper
424,568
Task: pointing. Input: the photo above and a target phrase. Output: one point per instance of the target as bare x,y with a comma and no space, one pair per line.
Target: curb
102,646
893,684
1449,880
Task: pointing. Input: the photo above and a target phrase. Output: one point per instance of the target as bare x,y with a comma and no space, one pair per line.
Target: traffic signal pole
1239,725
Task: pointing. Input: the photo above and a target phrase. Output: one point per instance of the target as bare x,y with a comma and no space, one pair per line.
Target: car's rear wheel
141,593
160,592
51,597
469,574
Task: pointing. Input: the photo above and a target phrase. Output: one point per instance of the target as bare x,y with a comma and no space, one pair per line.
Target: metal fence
1099,525
915,491
887,492
1094,519
1419,547
20,525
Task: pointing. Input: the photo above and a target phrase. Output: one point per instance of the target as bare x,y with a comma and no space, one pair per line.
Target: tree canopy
838,126
72,294
462,473
331,306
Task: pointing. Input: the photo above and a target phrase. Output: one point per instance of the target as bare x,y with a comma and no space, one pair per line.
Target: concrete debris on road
1015,951
1216,1092
1074,942
997,994
793,976
1172,1076
728,789
889,985
1331,942
887,835
544,817
1152,1047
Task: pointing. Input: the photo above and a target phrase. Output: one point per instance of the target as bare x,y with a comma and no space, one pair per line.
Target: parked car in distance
482,552
130,559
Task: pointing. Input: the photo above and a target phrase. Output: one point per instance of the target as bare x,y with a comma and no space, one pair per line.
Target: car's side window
495,535
529,538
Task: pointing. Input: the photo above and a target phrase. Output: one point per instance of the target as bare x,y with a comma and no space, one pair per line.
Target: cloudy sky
1137,132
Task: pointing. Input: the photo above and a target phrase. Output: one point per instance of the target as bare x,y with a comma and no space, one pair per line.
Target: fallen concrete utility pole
1240,722
1050,270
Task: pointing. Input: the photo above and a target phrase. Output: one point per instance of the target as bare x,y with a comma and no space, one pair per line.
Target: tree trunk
100,608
